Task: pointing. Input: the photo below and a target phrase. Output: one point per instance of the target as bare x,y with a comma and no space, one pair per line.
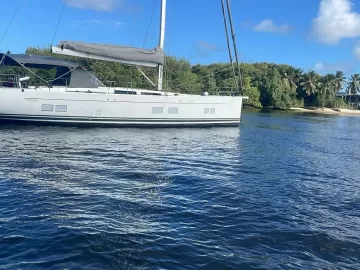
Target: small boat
78,97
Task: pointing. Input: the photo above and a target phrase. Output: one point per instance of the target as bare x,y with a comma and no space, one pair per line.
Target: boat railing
111,84
10,80
16,81
227,91
61,81
127,85
130,86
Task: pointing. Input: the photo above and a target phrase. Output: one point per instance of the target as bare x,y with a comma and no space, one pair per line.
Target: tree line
267,85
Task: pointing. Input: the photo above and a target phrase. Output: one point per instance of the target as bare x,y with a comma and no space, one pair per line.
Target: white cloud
271,27
357,50
105,23
336,20
324,68
205,46
91,23
319,67
102,5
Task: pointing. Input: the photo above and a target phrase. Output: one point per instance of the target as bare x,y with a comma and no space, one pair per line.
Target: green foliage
266,84
252,92
311,83
353,85
337,103
278,91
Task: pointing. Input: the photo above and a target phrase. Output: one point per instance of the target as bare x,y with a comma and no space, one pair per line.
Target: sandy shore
327,111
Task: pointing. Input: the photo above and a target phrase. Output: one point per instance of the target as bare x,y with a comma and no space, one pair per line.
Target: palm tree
326,90
299,72
292,77
328,85
311,82
339,80
353,85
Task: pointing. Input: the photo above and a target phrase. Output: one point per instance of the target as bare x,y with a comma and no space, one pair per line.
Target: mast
161,42
234,42
228,44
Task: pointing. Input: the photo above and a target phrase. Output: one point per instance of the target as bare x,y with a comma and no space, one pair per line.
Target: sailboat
78,97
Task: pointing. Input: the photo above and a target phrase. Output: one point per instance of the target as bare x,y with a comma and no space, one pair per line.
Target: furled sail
113,53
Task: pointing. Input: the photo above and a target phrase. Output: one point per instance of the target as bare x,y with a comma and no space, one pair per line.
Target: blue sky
312,34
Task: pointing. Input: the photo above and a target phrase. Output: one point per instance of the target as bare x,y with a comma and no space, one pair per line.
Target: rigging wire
133,28
208,75
148,29
214,73
32,72
7,29
133,35
152,16
234,43
228,44
166,68
58,24
70,70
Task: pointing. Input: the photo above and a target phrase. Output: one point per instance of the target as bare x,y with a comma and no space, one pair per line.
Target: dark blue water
280,192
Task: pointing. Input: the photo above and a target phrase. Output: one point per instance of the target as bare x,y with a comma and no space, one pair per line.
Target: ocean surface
282,191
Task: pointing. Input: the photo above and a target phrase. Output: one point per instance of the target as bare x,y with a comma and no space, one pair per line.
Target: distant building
353,100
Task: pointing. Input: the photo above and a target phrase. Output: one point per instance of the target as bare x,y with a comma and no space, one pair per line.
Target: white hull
59,106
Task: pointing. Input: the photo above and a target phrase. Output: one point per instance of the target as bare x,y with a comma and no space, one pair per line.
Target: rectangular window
124,92
151,94
212,110
157,110
61,108
47,107
206,111
173,110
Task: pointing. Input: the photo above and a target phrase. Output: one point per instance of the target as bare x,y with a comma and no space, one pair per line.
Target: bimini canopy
113,53
35,61
68,73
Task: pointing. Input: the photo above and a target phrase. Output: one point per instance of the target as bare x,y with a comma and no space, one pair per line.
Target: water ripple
281,192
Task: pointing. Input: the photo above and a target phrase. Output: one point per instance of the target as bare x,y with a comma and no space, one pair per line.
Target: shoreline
327,111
